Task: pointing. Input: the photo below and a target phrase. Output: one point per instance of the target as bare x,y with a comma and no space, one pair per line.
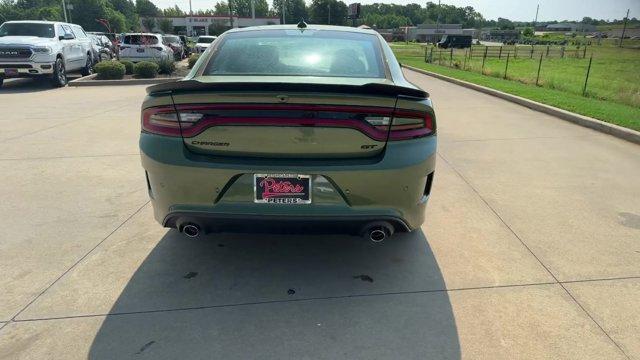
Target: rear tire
88,67
59,78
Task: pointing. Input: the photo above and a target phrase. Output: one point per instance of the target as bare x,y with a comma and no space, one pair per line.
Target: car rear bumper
392,187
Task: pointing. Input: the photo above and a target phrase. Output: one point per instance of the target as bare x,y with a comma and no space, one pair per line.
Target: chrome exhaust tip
191,230
377,231
377,235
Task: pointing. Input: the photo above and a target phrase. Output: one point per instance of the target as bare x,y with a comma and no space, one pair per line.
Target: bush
166,66
146,69
110,70
192,60
129,66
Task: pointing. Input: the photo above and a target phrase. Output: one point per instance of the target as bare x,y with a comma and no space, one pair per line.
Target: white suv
43,49
144,47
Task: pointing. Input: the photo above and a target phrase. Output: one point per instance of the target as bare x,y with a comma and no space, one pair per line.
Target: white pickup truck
43,49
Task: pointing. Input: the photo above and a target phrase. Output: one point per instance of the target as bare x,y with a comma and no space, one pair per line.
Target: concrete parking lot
530,249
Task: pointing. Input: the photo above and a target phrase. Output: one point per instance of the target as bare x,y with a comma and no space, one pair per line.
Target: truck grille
15,53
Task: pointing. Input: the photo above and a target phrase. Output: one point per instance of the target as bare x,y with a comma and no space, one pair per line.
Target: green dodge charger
290,128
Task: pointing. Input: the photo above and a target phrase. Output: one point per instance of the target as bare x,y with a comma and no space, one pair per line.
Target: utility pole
253,9
536,19
284,21
438,21
230,15
329,19
624,27
190,9
64,9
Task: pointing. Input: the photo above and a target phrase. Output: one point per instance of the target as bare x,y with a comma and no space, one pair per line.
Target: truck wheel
88,67
59,78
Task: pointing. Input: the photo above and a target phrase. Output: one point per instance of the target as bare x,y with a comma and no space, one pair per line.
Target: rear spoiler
369,89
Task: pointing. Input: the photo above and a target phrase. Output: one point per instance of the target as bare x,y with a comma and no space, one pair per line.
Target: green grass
613,91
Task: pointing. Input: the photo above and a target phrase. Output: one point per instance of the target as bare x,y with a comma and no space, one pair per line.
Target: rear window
298,53
171,39
140,40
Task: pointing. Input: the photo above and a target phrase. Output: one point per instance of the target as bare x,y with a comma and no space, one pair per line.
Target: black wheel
88,67
59,78
1,81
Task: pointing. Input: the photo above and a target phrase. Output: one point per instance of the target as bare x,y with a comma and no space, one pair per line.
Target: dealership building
435,32
199,25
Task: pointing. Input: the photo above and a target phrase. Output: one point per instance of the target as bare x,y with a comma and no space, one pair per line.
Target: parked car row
44,49
51,50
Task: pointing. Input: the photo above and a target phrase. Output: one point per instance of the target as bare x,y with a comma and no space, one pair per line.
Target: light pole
64,10
253,9
624,27
284,21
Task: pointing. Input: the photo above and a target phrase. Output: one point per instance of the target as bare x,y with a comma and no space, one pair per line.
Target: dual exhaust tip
376,232
191,230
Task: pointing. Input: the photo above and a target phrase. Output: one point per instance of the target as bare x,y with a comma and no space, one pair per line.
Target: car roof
149,34
309,27
40,22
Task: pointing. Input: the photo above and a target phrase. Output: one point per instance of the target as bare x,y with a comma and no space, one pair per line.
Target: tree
117,20
146,8
217,27
128,9
166,26
173,11
528,32
294,10
221,8
243,7
86,12
505,24
149,23
330,12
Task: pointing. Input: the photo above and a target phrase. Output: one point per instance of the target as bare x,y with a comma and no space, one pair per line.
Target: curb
89,81
594,124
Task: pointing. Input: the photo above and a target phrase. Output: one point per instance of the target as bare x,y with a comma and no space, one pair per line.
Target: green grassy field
613,89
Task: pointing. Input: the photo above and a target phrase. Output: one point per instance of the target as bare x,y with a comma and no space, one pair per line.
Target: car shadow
282,296
27,85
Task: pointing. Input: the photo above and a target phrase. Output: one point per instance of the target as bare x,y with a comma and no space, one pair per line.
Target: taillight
192,119
122,47
157,48
408,125
164,120
405,124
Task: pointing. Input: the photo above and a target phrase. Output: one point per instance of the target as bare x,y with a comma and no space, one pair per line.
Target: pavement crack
13,319
495,212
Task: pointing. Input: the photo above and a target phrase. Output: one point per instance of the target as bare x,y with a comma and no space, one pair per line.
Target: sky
519,10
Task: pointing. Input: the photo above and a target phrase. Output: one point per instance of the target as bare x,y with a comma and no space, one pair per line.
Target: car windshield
205,40
298,53
27,29
140,39
171,39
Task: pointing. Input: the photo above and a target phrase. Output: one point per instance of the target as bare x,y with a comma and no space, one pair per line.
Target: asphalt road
530,250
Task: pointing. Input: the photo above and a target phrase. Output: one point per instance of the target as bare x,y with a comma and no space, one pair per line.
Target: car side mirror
67,36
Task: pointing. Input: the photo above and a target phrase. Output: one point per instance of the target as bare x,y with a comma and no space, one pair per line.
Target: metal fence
462,58
526,51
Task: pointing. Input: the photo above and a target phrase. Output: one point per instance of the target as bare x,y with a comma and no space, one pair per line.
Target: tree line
125,15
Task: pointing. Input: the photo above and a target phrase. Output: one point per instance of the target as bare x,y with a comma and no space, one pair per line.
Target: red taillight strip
372,132
379,133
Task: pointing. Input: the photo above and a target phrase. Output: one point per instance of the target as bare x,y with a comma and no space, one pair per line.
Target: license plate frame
286,189
140,50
